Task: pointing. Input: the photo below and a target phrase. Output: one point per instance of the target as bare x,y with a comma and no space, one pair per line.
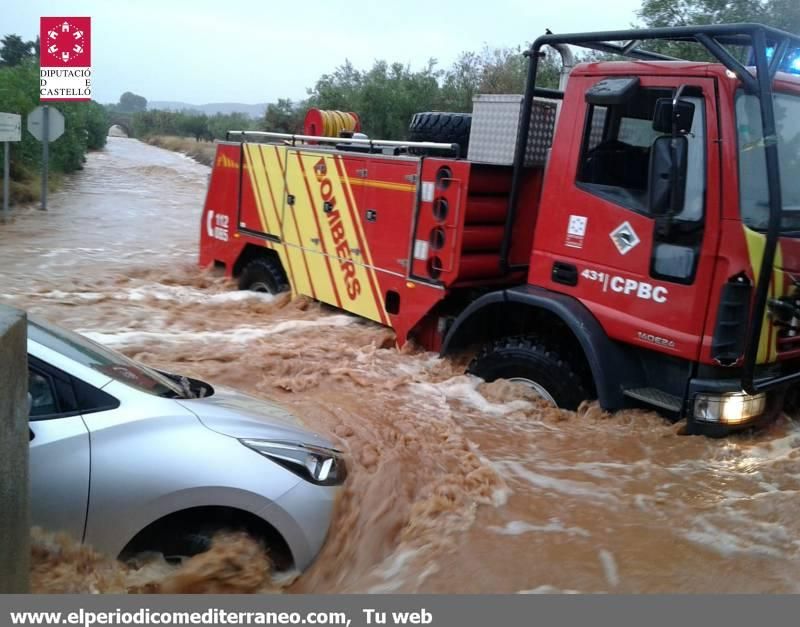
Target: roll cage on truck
633,236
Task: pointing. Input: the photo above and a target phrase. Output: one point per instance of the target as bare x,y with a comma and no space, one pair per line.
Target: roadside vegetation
201,151
85,123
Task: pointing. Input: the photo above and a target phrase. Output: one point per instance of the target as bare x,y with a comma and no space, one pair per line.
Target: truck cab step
655,397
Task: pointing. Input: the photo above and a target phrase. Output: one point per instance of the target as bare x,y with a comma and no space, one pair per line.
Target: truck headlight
733,408
317,464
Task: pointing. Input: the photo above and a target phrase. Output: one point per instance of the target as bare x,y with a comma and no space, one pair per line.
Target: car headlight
317,464
734,408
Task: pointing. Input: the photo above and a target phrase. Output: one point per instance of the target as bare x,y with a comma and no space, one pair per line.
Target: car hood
241,416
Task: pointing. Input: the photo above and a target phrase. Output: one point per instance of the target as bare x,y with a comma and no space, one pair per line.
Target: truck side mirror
667,112
667,175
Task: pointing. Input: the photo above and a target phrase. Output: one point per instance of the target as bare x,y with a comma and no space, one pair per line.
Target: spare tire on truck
441,127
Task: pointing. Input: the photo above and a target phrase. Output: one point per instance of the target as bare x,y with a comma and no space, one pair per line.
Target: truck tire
446,128
531,361
264,274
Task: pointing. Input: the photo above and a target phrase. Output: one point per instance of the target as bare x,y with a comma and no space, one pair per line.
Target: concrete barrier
14,443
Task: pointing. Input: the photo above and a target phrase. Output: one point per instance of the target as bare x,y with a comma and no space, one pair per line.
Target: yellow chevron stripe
400,187
258,182
768,340
272,188
257,178
366,253
259,193
338,230
305,232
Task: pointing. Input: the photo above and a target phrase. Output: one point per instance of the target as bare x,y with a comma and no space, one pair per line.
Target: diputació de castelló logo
65,53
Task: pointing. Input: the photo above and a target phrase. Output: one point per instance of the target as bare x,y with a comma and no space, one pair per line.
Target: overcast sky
201,51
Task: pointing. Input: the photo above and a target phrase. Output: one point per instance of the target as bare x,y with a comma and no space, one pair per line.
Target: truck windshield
113,364
753,195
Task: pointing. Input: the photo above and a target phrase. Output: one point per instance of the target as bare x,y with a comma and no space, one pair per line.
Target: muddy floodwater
455,485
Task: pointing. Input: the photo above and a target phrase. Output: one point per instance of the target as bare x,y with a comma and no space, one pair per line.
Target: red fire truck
633,236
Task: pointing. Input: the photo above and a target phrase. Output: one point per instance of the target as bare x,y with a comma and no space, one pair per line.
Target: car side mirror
667,175
30,403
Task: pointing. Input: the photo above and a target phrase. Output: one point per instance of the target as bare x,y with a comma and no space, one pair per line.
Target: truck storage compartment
495,125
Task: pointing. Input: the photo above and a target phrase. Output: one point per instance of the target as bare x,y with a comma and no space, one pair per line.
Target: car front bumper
303,516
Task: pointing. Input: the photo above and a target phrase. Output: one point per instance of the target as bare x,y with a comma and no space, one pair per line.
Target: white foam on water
602,469
418,366
391,572
54,252
463,388
563,486
66,296
727,544
183,294
166,293
519,527
778,449
609,567
548,589
241,335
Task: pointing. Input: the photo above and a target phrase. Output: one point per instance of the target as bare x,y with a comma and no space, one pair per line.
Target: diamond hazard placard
65,52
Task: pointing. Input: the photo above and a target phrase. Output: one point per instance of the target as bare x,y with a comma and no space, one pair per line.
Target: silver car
129,459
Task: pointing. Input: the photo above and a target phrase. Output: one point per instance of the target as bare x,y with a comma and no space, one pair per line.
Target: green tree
385,96
97,122
131,103
14,50
783,14
283,117
220,123
461,82
193,125
338,90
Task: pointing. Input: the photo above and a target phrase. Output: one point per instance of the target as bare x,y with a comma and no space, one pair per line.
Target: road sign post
46,124
6,176
10,131
45,154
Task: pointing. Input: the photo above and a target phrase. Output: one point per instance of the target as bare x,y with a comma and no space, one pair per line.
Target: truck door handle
564,273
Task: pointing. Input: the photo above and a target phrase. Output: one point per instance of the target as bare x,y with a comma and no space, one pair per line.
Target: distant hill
253,110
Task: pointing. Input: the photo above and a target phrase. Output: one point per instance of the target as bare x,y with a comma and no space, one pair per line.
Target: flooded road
455,485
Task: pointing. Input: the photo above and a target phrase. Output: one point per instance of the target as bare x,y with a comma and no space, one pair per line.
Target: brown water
455,485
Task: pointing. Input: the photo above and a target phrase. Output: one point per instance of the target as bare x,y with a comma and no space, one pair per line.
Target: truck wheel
530,361
446,128
264,274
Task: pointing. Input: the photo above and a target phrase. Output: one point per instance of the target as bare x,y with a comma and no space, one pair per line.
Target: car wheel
530,361
190,543
264,274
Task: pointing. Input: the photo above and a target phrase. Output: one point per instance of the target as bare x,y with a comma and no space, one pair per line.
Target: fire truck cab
632,237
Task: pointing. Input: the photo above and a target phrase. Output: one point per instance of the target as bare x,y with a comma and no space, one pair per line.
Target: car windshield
91,354
754,198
